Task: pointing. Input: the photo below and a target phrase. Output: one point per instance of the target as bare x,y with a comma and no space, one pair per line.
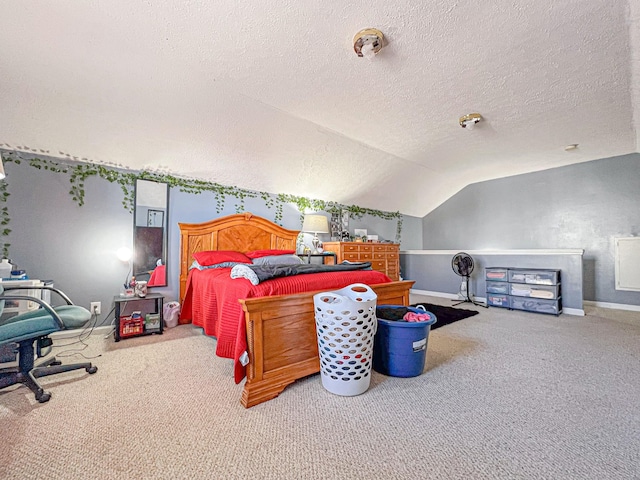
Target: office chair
28,335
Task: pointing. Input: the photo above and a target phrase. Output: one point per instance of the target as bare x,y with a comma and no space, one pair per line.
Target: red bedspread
158,276
211,302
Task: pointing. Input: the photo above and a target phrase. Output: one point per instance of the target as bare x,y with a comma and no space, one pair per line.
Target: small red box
131,326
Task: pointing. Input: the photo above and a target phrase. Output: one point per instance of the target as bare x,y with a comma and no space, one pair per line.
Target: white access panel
627,263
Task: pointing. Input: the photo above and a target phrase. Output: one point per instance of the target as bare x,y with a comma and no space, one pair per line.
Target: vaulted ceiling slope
270,95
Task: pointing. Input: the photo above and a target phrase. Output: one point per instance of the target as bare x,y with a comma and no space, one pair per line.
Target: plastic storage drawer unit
531,289
537,305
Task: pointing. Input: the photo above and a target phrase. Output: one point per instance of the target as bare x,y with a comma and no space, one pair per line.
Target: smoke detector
368,42
469,121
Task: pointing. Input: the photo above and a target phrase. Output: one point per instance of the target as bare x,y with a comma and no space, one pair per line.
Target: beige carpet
504,395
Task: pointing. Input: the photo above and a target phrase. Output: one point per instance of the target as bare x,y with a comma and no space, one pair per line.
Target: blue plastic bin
400,348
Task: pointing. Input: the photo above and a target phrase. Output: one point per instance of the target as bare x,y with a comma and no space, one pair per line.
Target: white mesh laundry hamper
345,326
171,314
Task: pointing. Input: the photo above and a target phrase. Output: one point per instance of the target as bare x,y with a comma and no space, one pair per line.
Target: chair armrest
39,301
40,287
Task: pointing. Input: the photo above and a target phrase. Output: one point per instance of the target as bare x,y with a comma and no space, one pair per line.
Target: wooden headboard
242,233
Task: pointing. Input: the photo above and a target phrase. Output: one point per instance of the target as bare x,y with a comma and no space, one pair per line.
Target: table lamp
315,224
124,254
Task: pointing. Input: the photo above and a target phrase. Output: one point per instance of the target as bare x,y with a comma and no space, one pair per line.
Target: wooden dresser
384,257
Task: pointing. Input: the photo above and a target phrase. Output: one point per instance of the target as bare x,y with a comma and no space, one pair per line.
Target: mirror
150,220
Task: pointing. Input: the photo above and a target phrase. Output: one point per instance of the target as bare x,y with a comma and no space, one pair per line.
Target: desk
323,256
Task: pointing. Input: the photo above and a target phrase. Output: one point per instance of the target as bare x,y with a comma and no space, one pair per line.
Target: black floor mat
446,315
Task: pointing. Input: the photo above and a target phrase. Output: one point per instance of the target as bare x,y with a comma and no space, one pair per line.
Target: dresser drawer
351,256
393,266
368,249
378,265
360,248
381,247
392,271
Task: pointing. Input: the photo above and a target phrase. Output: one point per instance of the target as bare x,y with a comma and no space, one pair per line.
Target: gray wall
581,206
432,272
411,237
53,238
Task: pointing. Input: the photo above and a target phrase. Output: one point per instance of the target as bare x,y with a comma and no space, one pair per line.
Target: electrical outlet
96,307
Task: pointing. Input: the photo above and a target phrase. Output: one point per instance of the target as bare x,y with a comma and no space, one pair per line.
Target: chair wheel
92,370
43,397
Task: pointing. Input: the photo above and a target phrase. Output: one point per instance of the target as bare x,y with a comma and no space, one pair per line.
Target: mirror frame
165,226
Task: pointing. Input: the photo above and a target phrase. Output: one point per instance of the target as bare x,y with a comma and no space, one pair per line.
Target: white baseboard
569,311
105,330
615,306
452,296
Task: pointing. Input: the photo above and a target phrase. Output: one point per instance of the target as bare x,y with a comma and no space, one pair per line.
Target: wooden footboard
281,337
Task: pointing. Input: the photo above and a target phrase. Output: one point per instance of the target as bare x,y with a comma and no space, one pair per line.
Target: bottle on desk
5,269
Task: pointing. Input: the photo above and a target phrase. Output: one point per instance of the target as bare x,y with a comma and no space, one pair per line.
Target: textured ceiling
270,96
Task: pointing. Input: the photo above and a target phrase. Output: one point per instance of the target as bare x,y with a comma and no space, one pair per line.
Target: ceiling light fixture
570,147
368,42
469,121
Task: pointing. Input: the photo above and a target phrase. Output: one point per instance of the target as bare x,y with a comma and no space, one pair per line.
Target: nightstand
130,325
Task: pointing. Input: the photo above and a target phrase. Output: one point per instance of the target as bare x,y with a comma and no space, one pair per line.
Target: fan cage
462,264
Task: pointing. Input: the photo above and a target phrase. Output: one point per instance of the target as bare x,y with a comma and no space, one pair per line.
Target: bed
277,331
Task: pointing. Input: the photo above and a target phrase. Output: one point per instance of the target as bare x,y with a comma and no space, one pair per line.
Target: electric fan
462,265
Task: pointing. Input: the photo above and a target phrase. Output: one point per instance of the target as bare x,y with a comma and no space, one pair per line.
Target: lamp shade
315,224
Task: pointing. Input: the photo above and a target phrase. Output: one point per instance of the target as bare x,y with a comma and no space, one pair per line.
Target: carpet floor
504,395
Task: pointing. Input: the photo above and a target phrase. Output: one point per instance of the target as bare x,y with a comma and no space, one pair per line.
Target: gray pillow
195,264
278,260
